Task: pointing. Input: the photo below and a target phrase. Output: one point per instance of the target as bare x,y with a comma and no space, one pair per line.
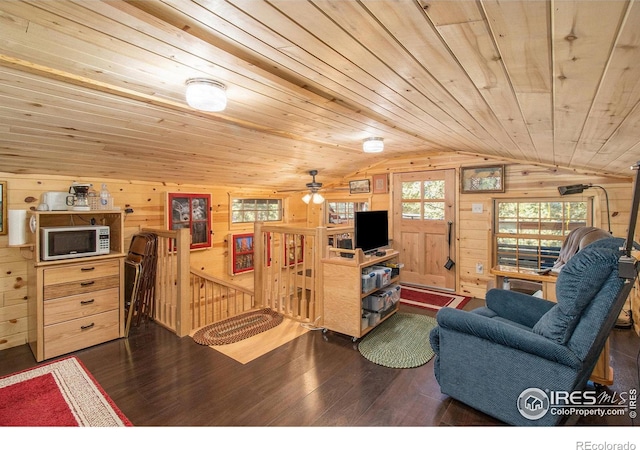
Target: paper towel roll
17,226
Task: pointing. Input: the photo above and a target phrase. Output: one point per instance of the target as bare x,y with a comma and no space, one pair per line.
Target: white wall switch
479,267
476,208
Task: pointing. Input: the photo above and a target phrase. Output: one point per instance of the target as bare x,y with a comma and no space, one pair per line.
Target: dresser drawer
81,305
75,334
81,272
80,287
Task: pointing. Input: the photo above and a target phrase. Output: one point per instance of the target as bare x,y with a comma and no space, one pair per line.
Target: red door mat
428,299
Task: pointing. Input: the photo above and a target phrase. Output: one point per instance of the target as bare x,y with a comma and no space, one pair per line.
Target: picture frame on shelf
359,186
381,183
3,207
482,179
192,211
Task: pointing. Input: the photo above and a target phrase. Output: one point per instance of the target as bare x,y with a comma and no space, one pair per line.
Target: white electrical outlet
476,208
479,267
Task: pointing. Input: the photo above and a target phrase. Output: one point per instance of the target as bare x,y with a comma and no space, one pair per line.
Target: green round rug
400,342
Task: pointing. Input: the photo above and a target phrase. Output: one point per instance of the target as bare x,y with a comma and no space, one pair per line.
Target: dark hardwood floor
158,379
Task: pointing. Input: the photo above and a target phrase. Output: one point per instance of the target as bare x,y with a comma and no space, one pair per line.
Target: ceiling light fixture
373,145
206,95
313,197
314,186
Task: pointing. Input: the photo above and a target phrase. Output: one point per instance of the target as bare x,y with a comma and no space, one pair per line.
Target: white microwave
73,242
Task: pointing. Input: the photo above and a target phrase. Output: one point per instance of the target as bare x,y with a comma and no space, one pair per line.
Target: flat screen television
371,230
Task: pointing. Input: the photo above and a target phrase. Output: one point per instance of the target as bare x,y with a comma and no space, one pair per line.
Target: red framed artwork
241,253
192,211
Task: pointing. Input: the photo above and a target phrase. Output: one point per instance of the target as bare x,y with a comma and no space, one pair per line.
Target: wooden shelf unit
78,302
342,290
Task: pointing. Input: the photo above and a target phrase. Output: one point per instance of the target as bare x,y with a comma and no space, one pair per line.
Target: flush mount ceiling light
314,186
206,95
373,145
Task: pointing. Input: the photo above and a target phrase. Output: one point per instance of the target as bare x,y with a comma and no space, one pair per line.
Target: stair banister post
258,265
183,319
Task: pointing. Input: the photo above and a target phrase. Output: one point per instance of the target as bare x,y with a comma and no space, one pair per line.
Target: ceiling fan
314,187
313,195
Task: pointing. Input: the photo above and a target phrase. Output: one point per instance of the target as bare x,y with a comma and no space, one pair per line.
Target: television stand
343,294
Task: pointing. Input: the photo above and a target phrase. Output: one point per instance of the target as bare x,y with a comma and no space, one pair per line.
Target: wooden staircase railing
287,275
172,302
187,298
213,299
287,278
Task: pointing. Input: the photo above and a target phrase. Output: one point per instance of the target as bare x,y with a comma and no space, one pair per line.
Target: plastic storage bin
365,319
374,302
383,275
368,281
374,318
393,293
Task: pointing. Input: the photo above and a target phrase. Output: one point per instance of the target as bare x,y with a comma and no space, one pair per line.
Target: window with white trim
249,210
343,212
528,233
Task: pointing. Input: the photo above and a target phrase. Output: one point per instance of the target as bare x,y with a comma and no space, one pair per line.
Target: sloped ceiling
96,88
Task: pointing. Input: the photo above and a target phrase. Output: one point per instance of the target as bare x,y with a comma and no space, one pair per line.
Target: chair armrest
506,335
517,307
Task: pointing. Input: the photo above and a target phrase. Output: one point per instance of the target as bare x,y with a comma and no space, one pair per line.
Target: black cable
606,196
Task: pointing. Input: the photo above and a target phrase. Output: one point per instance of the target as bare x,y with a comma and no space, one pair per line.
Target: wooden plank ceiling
96,88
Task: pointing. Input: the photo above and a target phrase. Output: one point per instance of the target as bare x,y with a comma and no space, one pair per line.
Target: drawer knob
86,327
87,269
87,302
87,283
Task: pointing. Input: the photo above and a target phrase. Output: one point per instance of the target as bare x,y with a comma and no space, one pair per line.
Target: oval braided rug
400,342
238,328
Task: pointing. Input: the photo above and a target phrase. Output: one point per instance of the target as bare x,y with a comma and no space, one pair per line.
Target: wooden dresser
76,303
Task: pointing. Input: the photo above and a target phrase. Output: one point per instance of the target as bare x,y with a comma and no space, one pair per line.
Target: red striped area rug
433,300
57,394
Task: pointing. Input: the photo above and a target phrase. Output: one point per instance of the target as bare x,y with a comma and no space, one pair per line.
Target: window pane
507,226
529,210
528,226
411,210
434,210
411,190
434,189
507,209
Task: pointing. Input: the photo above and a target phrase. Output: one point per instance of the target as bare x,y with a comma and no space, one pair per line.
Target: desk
602,373
548,281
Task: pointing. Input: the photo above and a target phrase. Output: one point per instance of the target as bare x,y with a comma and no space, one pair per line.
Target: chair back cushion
578,284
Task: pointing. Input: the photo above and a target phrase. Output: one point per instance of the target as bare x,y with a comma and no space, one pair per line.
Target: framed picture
484,179
380,184
359,187
191,211
3,206
241,252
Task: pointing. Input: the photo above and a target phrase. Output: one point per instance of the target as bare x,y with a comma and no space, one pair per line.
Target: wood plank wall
148,202
473,230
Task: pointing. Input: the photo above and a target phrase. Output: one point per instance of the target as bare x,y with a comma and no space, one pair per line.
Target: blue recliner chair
505,359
